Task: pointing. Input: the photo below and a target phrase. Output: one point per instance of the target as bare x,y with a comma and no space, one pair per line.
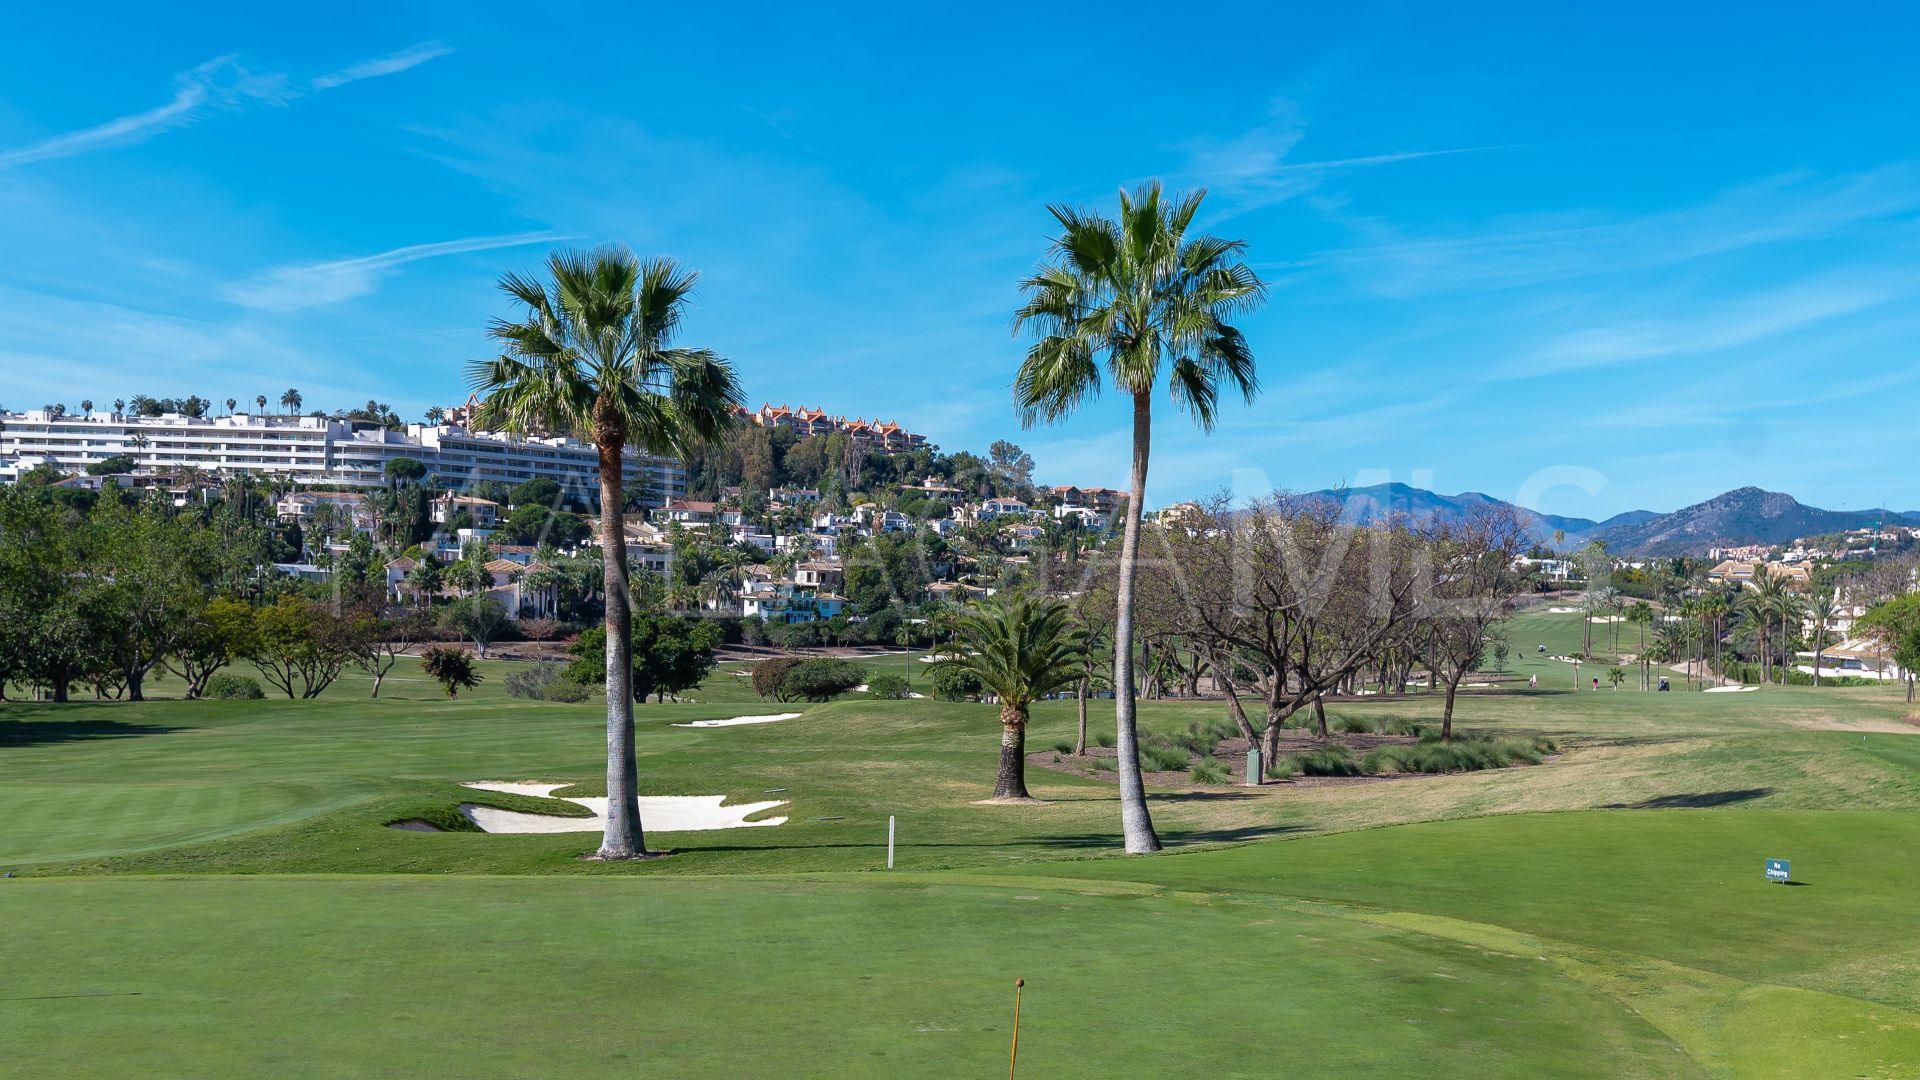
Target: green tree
479,618
1896,622
1141,293
300,646
821,678
404,470
219,634
1020,651
451,667
670,654
290,401
592,353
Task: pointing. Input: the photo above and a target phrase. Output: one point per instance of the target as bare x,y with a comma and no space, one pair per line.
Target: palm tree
591,354
1021,652
260,400
1141,293
1791,611
119,406
1763,603
231,402
290,401
424,579
1640,614
86,406
1824,609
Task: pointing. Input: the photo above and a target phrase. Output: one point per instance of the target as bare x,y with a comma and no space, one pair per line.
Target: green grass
207,889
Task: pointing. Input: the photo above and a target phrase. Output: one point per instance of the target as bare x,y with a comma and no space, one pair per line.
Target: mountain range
1747,515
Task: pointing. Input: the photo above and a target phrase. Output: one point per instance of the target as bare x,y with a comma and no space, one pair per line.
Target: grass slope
1600,915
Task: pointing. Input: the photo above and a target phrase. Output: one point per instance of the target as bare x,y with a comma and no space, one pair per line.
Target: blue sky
1592,261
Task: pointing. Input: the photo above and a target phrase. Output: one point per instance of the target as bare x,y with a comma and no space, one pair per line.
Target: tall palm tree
1640,614
1020,651
1791,611
591,353
1824,609
290,401
1764,602
231,402
260,400
1142,294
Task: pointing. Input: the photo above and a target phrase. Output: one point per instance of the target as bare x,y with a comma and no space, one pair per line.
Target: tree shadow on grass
18,734
1701,800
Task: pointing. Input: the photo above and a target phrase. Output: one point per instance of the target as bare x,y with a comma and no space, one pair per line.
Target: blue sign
1779,870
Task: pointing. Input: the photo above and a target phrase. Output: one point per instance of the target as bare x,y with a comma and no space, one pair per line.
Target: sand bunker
1563,611
1607,618
1731,689
735,720
660,813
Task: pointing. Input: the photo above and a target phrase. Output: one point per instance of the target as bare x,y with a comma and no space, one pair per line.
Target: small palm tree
1824,609
1141,293
290,401
591,354
260,402
231,402
1021,652
119,406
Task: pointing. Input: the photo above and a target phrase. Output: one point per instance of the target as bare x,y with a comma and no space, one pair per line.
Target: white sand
1731,689
1607,618
661,813
736,720
1563,611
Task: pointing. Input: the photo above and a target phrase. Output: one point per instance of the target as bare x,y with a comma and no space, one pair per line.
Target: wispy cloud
307,285
1251,170
1527,250
1744,322
391,64
218,85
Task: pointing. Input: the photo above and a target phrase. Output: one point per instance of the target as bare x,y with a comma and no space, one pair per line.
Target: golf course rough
207,889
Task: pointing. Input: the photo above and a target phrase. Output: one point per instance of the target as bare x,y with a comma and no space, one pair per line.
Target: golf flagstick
1013,1059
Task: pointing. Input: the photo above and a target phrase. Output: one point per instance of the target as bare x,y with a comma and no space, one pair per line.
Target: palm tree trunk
1135,822
624,838
1011,782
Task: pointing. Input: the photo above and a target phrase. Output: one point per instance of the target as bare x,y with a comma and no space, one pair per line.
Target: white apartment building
315,450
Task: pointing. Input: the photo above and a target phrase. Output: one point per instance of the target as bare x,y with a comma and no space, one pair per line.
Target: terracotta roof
503,566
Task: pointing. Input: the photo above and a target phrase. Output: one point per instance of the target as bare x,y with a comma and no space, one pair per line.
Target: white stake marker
889,841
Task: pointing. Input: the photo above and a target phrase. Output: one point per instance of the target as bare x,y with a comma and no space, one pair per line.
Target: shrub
1063,746
230,687
547,681
1331,761
890,686
1103,739
1355,725
1284,769
1400,725
1210,771
1202,736
953,684
1159,755
770,676
1466,753
822,679
451,667
1101,764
